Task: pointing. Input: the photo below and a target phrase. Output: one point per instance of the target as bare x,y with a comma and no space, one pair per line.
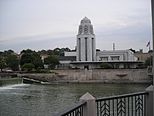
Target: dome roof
85,20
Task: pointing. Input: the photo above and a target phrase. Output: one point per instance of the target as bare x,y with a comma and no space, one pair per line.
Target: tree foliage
106,65
12,62
28,67
2,63
52,61
29,56
8,59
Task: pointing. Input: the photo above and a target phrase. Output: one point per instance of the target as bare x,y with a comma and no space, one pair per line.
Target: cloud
54,23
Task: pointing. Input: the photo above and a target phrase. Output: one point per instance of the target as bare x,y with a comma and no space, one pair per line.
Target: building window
93,49
79,49
91,29
85,48
115,58
85,29
104,58
80,29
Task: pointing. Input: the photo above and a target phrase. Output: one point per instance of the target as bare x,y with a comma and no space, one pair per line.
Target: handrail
121,96
121,105
71,109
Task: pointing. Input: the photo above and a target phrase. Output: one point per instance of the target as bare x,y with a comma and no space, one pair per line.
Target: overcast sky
47,24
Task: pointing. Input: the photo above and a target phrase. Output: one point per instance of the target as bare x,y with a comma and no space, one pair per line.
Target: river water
47,100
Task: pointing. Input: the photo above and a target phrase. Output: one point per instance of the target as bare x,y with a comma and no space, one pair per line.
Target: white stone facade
116,55
86,46
87,57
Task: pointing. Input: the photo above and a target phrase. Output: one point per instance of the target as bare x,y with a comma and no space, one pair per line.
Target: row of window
85,29
113,58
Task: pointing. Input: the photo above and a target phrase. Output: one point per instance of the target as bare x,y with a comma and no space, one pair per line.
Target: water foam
15,86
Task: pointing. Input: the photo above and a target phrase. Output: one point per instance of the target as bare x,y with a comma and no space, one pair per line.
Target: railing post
149,101
90,108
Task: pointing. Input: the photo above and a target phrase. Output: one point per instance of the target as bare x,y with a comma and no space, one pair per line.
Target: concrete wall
105,75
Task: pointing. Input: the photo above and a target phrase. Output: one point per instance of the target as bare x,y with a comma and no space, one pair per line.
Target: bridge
134,104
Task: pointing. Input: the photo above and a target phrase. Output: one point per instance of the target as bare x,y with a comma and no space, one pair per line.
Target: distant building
87,57
142,56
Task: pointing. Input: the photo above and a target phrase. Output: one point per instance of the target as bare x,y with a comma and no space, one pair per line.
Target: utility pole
113,46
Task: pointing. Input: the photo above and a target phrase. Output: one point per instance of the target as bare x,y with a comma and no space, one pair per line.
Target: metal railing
122,105
76,110
134,104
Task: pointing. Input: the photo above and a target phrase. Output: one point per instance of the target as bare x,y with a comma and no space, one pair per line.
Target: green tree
106,65
28,67
29,56
12,62
52,61
2,64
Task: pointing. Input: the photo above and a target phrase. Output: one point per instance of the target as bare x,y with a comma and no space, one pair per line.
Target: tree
12,62
149,61
106,66
2,64
52,61
28,67
29,56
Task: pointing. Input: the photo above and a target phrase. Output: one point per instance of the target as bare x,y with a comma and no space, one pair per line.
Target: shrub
106,66
28,67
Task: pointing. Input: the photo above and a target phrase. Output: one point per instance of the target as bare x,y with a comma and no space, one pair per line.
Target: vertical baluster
132,105
135,106
121,105
104,107
113,106
98,108
125,104
128,105
142,104
75,113
82,111
117,106
109,107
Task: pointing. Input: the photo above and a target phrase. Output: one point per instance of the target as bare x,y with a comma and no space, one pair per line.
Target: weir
10,81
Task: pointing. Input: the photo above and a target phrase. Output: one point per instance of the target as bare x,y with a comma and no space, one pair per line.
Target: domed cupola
85,27
85,20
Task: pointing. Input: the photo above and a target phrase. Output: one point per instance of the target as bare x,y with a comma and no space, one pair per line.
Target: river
46,100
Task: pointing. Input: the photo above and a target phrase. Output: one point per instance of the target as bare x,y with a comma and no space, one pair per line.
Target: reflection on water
38,100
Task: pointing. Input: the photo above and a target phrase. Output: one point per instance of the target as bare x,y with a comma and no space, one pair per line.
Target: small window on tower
80,29
91,29
85,29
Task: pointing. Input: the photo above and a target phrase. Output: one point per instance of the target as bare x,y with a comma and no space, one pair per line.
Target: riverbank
91,76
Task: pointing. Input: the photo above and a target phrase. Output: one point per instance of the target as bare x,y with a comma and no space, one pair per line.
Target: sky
47,24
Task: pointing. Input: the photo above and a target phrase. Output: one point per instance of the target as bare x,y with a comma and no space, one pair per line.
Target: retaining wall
105,75
97,75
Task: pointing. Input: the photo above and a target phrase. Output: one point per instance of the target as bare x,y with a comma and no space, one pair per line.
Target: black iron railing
122,105
76,110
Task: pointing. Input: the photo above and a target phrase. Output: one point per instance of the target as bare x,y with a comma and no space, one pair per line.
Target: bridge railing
134,104
76,110
122,105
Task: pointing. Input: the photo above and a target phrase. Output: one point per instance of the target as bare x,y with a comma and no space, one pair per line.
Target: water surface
46,100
